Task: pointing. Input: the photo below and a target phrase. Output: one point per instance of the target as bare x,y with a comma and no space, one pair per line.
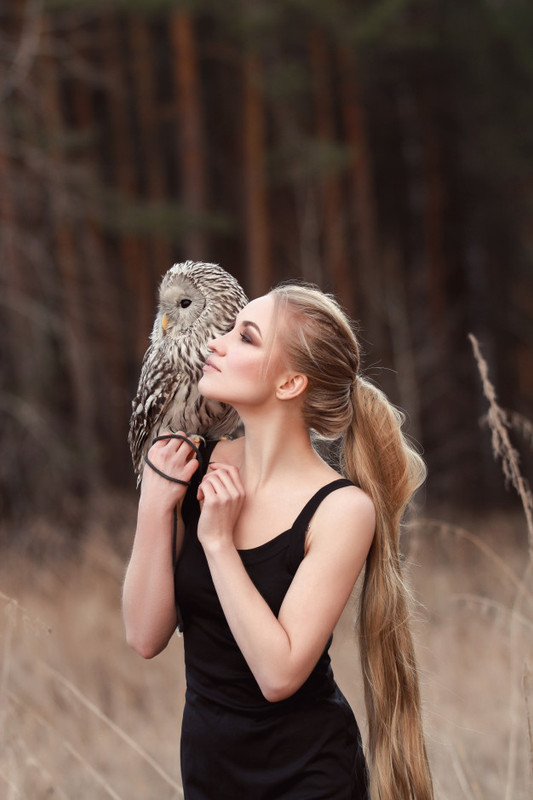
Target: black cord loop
160,472
163,474
176,436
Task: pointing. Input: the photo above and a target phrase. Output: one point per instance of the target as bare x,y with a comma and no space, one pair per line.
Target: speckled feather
167,395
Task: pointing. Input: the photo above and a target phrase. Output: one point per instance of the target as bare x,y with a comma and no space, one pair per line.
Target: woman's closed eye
246,338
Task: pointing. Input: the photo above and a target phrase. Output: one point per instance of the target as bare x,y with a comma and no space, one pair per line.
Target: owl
197,303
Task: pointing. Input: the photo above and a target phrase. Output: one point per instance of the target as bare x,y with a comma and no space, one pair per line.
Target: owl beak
164,323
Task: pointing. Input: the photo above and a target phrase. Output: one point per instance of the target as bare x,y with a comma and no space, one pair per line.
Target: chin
203,389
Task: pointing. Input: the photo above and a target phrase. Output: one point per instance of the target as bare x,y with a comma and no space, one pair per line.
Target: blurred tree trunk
105,316
152,166
26,313
62,219
335,246
403,350
368,266
255,188
132,250
298,232
191,128
433,215
12,271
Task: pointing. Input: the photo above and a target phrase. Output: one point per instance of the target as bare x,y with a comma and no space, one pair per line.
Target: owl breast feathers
197,303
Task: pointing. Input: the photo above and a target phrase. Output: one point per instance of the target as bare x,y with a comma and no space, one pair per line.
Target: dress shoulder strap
205,453
190,510
301,524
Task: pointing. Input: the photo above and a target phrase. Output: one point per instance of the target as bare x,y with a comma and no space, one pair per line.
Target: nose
216,345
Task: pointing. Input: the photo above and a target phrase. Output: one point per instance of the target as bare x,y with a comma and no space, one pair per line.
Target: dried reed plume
521,424
499,422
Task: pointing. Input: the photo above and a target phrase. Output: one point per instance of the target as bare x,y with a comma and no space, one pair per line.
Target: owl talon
196,438
192,441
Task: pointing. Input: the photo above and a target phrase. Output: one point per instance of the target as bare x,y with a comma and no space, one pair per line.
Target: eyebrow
249,324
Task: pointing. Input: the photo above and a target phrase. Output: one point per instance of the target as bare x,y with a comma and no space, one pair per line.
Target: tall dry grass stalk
499,422
521,424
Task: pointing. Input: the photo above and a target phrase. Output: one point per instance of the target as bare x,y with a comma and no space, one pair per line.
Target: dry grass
82,717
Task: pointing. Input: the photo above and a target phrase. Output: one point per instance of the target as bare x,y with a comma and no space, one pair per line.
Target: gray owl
197,303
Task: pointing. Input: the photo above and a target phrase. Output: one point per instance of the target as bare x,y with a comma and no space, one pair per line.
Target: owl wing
159,383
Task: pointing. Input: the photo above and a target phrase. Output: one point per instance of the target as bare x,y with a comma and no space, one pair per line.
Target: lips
209,366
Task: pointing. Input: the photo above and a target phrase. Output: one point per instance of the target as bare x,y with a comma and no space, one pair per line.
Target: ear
292,386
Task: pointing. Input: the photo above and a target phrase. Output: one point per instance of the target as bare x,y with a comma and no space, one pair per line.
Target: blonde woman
268,544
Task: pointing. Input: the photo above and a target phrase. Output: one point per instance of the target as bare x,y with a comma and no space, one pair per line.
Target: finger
206,491
189,469
222,477
231,472
213,487
159,444
228,467
175,440
223,485
178,449
208,479
183,453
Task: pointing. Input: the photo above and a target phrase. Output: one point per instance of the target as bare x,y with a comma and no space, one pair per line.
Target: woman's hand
221,495
175,458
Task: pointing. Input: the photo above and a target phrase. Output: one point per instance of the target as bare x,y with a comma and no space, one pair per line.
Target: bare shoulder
353,501
349,512
228,451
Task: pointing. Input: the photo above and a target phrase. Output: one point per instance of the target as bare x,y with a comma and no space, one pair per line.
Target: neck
273,446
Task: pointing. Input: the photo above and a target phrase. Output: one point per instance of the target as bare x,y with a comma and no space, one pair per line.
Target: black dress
235,745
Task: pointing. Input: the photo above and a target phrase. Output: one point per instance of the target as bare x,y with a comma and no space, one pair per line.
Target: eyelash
246,338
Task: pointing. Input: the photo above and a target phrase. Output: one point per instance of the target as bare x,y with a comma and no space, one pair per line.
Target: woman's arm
282,651
148,602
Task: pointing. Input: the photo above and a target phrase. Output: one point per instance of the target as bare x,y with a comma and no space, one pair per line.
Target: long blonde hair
376,455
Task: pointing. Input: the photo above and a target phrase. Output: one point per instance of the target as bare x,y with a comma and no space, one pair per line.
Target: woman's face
244,364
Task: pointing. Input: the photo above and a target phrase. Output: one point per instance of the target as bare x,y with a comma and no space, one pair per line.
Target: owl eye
185,303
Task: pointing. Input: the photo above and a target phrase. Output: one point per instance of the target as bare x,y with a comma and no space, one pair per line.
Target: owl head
194,292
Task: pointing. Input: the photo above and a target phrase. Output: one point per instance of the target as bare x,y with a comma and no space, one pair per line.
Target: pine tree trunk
105,320
191,127
77,348
147,118
433,219
363,206
132,251
255,187
335,245
403,351
13,273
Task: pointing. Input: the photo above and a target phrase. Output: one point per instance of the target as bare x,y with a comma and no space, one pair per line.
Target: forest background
380,148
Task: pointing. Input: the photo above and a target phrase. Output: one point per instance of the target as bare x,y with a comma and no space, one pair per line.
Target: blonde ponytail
320,343
378,458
